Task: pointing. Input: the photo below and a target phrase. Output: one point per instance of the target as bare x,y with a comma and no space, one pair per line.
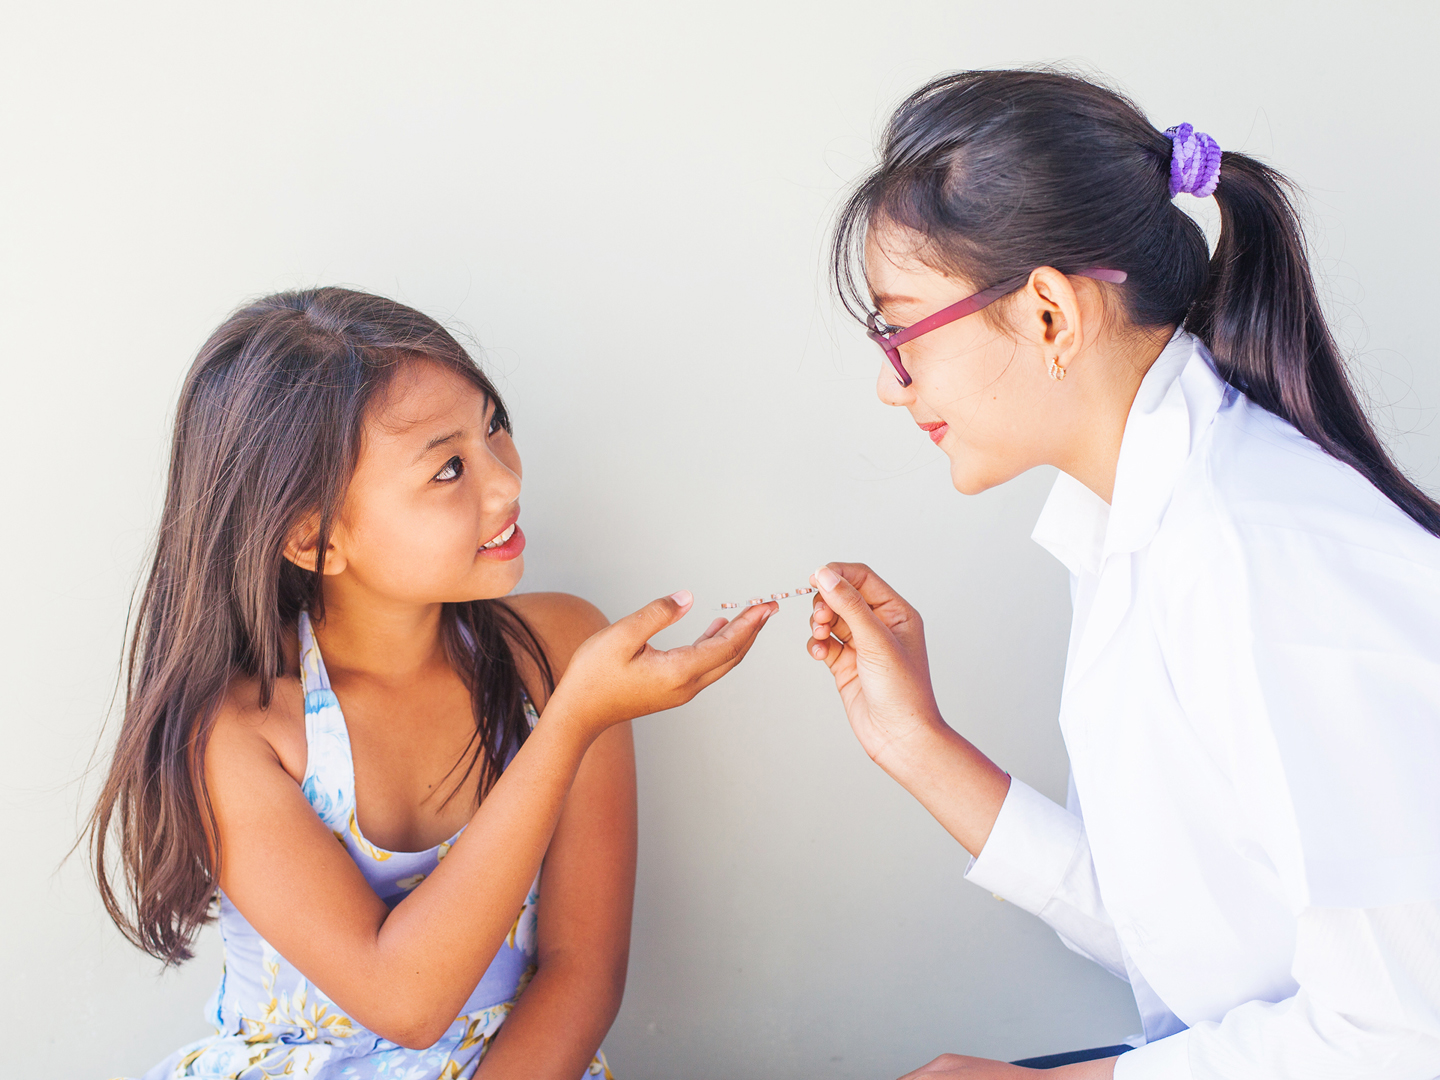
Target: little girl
339,739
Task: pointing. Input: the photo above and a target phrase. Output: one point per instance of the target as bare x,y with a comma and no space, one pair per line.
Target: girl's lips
508,550
936,430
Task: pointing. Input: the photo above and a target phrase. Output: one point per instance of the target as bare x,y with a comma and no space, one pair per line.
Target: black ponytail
1261,319
1004,171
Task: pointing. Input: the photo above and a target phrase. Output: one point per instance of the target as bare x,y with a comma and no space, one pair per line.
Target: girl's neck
370,637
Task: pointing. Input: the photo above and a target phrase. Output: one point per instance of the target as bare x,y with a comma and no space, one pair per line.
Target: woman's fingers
850,610
870,585
828,650
825,623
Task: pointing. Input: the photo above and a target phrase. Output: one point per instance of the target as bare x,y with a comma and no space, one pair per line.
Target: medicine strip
804,590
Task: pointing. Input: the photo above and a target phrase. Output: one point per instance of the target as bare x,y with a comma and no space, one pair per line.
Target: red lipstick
935,429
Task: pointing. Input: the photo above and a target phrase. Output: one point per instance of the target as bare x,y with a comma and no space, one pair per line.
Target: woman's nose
889,390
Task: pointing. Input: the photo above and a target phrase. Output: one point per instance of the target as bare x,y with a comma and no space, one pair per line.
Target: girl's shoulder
560,621
246,726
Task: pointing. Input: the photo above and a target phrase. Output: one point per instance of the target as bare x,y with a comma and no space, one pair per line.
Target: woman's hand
959,1067
874,644
616,675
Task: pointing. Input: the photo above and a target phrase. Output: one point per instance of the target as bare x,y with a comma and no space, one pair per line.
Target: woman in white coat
1252,693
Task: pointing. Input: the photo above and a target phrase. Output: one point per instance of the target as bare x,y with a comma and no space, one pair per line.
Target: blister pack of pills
804,590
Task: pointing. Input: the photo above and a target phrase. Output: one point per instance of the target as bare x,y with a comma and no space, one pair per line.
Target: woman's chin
968,480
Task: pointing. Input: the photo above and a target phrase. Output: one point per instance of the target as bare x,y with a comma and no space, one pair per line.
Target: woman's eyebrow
439,440
883,300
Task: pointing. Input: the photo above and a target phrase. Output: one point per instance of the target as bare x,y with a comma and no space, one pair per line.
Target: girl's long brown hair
267,433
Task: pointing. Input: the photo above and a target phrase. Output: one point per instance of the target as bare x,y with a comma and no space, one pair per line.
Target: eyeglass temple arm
984,298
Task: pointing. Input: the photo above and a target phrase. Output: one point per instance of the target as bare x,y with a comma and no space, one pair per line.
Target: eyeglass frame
892,337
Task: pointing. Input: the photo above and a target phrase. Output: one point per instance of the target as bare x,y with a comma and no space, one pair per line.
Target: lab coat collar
1178,397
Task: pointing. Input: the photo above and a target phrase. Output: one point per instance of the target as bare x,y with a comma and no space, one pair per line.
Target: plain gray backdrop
623,206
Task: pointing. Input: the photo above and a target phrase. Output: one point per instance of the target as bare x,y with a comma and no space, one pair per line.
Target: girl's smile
506,545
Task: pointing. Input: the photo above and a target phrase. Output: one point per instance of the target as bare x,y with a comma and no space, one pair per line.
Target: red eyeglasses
890,338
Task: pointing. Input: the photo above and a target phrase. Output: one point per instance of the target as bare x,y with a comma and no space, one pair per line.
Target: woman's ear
1060,332
302,547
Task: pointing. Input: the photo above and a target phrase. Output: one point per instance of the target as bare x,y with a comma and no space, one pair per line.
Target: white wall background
625,204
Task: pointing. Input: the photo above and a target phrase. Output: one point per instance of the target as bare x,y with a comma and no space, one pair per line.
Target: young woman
338,733
1252,693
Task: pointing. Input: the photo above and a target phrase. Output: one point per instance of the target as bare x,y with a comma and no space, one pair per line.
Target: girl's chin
499,579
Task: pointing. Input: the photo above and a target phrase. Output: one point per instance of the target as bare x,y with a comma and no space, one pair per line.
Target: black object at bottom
1054,1061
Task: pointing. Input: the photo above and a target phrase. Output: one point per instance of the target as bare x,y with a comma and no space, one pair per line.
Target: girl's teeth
502,538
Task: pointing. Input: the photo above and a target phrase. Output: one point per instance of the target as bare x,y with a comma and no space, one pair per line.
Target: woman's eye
497,422
452,470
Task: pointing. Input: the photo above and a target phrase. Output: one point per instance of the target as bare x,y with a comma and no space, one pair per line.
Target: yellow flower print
365,845
408,883
188,1060
443,850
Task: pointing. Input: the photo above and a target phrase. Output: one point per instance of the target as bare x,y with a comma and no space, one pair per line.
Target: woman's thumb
845,601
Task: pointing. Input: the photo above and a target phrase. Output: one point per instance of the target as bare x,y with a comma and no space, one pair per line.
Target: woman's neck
1092,454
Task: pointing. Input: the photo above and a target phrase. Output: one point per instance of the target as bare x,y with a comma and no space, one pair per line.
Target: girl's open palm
616,674
874,644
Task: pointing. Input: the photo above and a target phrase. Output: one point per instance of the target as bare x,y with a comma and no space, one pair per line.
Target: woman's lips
936,430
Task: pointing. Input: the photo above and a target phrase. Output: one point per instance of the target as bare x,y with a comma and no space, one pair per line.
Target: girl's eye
452,470
497,422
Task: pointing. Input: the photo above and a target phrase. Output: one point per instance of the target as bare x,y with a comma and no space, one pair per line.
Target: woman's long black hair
1003,171
267,434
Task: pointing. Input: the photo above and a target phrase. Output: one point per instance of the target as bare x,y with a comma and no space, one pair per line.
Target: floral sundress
271,1022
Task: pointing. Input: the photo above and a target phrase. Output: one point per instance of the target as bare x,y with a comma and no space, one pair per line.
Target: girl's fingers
640,626
719,672
711,631
727,644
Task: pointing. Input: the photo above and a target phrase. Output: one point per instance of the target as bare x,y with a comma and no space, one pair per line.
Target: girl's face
431,512
983,394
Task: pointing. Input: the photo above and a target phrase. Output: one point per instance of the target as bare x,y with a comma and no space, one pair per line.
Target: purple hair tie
1194,162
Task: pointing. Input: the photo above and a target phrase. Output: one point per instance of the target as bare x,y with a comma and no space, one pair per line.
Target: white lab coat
1252,712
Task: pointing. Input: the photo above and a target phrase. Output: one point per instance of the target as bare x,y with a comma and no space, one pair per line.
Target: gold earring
1056,371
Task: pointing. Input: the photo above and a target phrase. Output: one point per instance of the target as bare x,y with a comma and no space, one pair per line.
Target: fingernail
683,598
827,578
818,652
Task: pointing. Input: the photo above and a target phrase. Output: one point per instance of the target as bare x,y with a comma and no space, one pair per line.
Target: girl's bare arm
406,973
587,888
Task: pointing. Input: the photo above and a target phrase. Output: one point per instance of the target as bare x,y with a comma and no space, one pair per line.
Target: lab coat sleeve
1037,857
1368,1006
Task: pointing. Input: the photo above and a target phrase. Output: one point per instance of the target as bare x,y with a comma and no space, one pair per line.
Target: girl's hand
616,675
874,644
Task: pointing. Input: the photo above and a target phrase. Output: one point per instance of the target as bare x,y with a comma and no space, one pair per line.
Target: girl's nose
889,390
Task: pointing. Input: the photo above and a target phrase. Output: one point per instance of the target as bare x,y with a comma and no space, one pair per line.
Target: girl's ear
301,547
